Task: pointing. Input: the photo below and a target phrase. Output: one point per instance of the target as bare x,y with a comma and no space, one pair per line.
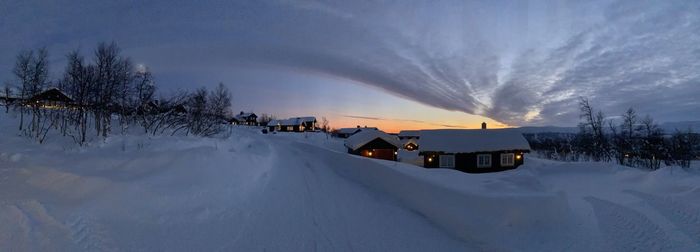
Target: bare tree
79,79
592,136
324,124
23,74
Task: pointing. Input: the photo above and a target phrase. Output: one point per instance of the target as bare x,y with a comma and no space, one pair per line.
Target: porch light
369,153
396,153
430,159
518,157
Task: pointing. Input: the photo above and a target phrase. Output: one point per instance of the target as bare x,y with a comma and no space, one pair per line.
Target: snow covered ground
302,192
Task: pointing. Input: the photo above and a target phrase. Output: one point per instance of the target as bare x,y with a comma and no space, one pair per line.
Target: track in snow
625,229
683,216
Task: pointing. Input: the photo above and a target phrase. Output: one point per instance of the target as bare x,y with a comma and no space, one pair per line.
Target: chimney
483,125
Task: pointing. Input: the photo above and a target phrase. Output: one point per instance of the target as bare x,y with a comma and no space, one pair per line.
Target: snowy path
307,207
246,194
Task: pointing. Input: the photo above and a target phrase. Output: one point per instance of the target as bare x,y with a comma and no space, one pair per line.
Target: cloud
518,62
402,120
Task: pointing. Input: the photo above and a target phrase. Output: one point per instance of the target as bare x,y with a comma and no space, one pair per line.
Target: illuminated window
507,159
447,161
483,160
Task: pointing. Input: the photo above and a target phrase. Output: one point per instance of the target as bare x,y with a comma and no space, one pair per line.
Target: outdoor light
369,153
518,157
396,153
430,159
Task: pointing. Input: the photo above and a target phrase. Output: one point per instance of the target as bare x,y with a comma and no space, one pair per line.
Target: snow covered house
373,144
52,98
347,132
473,151
296,124
243,118
409,139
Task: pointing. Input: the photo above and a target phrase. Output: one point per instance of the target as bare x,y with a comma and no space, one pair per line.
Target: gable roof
347,130
361,138
51,94
244,116
469,141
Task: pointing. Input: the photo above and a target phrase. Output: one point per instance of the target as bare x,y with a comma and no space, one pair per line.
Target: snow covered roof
244,116
363,137
53,94
347,130
407,141
409,133
293,121
469,141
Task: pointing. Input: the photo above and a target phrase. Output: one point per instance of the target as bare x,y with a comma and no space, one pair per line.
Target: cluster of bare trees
109,87
634,141
32,73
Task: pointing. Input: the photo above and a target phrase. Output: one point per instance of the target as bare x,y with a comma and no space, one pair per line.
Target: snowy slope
302,192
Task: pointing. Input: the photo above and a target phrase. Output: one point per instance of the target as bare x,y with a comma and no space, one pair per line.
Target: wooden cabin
296,124
52,98
473,151
373,144
243,118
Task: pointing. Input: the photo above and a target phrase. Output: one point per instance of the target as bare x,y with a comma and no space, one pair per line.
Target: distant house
296,124
409,139
347,132
373,144
51,98
473,151
242,118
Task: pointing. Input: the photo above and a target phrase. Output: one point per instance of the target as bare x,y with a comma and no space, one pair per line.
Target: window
290,128
447,161
507,159
483,160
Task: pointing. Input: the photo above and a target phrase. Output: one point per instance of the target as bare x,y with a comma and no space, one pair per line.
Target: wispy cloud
517,62
404,120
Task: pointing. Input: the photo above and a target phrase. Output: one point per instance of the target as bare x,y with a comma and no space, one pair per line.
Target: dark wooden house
52,98
249,119
373,144
473,151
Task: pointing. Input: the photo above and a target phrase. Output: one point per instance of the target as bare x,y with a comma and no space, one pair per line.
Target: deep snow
302,192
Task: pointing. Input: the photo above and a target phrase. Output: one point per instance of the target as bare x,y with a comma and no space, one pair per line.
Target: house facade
473,151
296,124
249,119
52,98
373,144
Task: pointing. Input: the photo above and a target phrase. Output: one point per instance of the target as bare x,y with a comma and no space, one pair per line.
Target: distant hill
668,127
546,129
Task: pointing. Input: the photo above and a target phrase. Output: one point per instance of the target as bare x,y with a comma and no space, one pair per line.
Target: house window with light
483,160
507,159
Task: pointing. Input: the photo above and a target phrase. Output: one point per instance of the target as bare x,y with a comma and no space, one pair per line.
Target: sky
392,64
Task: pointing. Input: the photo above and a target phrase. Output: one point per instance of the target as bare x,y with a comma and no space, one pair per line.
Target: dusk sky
392,64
